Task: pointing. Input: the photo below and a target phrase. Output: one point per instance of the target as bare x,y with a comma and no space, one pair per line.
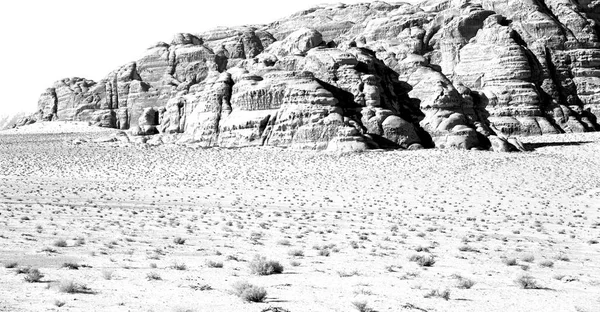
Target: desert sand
172,228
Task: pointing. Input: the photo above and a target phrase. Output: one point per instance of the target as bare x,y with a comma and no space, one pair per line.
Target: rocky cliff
449,74
8,119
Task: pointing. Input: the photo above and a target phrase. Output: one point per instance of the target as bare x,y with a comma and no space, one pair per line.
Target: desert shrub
59,303
409,275
179,240
361,306
423,260
444,294
421,249
465,283
201,287
179,266
34,276
348,273
324,252
527,282
284,242
233,258
249,292
546,264
528,258
562,257
11,264
214,264
153,276
296,253
466,248
49,250
71,287
70,265
60,243
509,261
261,266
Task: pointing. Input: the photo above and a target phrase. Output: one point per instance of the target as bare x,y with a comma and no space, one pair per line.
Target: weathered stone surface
297,43
450,74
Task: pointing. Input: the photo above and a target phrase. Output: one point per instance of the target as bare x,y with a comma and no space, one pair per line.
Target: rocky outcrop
464,74
9,119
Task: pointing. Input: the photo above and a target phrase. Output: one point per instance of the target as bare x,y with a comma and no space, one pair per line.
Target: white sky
42,41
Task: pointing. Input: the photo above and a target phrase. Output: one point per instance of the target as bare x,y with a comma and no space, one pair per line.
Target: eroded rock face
450,74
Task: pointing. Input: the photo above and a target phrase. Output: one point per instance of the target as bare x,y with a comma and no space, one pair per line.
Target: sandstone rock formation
8,119
450,74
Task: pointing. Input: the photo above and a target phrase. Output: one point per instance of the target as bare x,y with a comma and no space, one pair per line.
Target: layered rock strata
450,74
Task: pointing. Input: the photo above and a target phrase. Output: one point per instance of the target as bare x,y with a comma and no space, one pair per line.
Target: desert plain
134,227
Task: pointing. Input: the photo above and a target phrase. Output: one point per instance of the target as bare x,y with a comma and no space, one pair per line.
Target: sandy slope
119,208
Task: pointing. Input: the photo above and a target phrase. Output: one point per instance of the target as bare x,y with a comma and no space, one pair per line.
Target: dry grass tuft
249,292
261,266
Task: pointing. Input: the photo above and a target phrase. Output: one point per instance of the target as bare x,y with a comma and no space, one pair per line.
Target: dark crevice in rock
564,29
553,75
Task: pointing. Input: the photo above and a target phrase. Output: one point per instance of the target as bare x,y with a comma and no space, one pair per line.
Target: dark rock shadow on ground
533,146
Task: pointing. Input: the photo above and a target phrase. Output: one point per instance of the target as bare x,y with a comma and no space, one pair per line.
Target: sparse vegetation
261,266
324,252
11,264
348,273
153,276
179,266
70,265
423,260
444,294
466,248
465,283
179,241
284,242
49,250
296,253
527,282
71,287
34,276
60,243
510,261
528,258
249,292
214,264
362,306
382,264
201,287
